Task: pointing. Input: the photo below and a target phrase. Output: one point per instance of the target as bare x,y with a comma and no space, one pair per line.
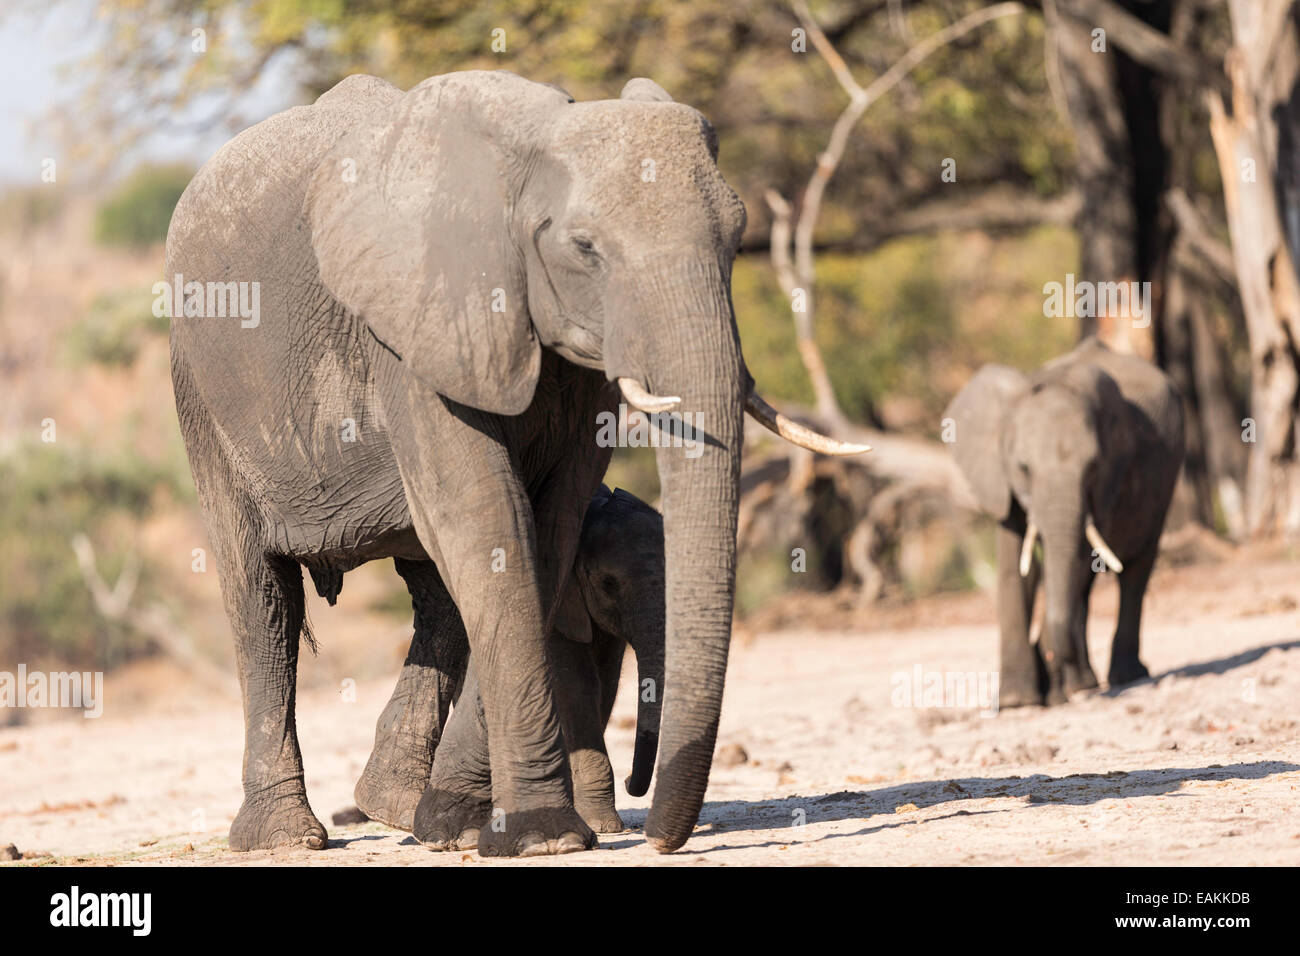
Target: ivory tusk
1027,549
797,434
644,401
1101,547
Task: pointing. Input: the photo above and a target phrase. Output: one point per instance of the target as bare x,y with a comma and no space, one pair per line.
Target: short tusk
1099,545
640,399
797,434
1027,549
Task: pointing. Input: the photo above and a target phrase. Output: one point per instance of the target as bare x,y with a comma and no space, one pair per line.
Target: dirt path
1199,766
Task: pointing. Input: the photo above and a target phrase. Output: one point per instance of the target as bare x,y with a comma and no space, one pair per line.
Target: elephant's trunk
683,344
649,648
699,503
1061,525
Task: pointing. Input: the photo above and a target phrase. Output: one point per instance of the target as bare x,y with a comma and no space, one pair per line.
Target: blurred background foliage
52,494
139,209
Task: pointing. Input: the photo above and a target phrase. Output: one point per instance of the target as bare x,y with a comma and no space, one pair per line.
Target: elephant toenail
534,844
571,843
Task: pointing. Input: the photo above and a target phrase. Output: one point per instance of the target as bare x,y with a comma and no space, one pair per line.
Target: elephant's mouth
758,409
1090,533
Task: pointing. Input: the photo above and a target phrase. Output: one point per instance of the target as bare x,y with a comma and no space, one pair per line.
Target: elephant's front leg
582,720
457,804
264,600
457,807
1125,665
502,606
486,544
411,725
474,515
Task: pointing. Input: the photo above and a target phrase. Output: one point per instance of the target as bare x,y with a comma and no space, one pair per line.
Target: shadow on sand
1078,789
1218,666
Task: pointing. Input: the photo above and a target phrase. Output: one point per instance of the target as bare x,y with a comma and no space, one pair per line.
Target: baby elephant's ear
647,91
571,617
976,416
410,218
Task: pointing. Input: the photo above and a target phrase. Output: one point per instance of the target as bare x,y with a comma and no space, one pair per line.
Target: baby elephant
615,598
1083,455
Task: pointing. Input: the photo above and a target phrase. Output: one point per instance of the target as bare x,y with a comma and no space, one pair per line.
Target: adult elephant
446,281
1083,454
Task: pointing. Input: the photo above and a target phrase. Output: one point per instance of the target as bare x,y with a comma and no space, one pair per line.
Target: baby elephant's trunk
649,707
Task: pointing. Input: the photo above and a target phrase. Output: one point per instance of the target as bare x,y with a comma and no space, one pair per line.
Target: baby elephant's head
620,571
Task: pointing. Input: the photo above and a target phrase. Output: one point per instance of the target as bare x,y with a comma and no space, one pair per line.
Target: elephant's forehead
648,157
596,133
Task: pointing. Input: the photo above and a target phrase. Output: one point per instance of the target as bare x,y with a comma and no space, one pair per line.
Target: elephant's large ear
977,413
1119,433
411,223
571,616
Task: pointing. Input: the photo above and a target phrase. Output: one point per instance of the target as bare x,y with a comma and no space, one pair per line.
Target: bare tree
152,620
798,277
1255,137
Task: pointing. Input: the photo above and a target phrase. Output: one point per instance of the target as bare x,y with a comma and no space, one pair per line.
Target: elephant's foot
1126,671
1020,690
266,822
451,821
593,790
388,797
1069,678
395,778
599,814
1079,678
541,831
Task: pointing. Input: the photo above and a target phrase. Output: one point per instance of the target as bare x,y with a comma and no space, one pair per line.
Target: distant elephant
1083,454
614,599
439,291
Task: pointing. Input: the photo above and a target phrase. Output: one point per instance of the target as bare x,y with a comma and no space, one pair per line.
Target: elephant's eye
584,245
609,584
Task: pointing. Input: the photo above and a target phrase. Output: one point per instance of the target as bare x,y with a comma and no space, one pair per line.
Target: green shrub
115,327
140,209
46,612
905,320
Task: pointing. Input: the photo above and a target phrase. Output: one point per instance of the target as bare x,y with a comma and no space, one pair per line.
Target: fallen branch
1143,42
153,621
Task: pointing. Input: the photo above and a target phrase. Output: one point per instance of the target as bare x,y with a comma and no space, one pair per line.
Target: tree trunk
1255,144
1210,489
1104,169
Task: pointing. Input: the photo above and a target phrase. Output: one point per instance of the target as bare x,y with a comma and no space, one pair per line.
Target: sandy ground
1200,765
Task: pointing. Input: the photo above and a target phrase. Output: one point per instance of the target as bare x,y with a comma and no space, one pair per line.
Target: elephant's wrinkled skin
450,279
1085,454
614,599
